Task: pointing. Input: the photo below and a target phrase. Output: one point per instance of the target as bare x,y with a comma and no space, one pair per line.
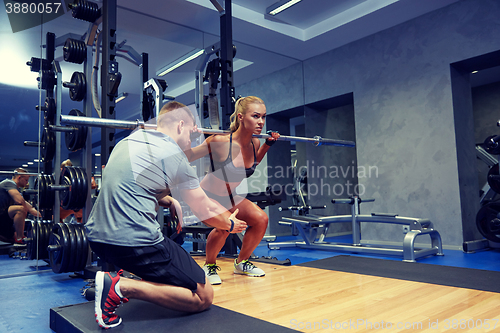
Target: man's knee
206,294
16,211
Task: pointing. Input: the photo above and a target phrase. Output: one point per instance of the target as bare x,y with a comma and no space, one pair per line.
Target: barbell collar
58,187
127,124
69,84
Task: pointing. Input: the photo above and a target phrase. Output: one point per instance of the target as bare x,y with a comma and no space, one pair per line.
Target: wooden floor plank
315,300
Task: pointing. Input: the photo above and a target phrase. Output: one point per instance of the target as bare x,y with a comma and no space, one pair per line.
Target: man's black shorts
166,262
6,225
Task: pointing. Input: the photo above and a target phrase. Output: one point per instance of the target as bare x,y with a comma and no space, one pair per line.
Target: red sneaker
19,241
107,299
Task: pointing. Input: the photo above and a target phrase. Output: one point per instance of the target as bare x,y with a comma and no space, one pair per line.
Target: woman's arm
262,150
198,151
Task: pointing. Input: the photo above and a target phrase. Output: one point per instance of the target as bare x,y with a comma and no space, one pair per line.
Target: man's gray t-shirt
5,198
144,167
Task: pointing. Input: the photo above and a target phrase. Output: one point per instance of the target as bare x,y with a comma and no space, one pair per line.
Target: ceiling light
474,72
25,165
30,163
281,6
179,62
121,97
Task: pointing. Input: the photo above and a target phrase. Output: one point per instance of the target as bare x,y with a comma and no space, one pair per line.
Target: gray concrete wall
404,111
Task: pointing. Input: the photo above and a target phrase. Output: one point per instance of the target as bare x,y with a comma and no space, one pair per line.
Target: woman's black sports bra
226,170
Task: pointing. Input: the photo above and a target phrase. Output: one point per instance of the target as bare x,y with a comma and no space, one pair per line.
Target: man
144,171
13,208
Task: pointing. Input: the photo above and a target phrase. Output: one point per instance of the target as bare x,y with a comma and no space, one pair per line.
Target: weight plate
83,187
50,110
488,221
70,137
65,180
82,255
493,181
66,244
31,246
50,196
72,246
55,250
48,145
74,190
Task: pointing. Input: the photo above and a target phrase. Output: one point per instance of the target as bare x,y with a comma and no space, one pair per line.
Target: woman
234,157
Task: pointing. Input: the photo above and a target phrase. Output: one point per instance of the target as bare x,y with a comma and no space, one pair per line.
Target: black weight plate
44,241
491,147
83,187
70,137
31,246
50,196
56,253
38,187
50,110
65,180
492,181
81,138
72,245
74,189
81,89
488,221
82,256
48,144
41,235
66,244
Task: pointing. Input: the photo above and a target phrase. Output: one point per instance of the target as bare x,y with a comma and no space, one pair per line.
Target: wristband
270,142
232,225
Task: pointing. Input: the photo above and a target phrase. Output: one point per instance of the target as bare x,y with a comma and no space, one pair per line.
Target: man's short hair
172,112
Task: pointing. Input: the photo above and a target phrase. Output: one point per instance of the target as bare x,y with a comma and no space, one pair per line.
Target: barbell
127,124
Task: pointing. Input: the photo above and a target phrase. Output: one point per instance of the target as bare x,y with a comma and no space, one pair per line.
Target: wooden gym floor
297,297
316,300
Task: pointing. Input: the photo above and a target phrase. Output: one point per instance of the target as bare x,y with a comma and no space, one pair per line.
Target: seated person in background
143,172
13,208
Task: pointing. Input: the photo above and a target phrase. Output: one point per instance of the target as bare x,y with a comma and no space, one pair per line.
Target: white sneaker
211,273
247,268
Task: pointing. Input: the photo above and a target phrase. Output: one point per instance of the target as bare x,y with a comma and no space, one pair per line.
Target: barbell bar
31,174
128,124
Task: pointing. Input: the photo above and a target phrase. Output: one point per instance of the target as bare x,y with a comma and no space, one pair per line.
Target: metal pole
109,73
127,124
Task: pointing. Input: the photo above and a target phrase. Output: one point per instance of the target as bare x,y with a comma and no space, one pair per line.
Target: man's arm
175,209
19,200
211,212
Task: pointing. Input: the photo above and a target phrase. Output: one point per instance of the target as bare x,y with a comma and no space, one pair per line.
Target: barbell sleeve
32,143
127,124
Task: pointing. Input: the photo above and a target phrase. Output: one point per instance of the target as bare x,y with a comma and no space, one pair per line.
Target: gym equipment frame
313,229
